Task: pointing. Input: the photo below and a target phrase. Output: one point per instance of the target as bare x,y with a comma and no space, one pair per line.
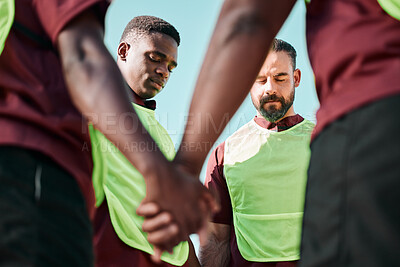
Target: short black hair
280,45
144,25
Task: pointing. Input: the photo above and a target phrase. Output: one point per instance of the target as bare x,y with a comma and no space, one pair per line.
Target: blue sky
195,21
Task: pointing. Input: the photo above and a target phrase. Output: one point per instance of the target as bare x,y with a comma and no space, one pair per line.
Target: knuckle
174,230
152,239
145,227
167,217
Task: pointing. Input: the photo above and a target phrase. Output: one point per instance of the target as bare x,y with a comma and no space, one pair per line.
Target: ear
297,77
123,49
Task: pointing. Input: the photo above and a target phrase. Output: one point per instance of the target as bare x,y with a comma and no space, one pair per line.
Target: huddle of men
56,75
147,54
271,150
259,173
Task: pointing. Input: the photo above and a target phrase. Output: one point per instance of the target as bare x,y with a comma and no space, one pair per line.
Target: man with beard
259,173
353,184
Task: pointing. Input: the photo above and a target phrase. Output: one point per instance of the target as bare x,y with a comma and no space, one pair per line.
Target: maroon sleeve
54,15
215,181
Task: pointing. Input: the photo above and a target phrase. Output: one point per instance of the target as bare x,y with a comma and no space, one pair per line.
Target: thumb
148,209
156,257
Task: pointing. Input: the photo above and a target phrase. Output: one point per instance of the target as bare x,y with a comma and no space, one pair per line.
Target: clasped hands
176,205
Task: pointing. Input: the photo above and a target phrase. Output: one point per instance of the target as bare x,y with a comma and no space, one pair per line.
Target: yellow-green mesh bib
392,7
124,187
266,176
7,12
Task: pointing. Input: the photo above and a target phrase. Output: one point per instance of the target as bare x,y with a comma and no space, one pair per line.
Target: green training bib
392,7
266,174
7,12
117,180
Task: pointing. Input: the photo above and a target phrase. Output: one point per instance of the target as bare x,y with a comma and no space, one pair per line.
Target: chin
148,93
148,96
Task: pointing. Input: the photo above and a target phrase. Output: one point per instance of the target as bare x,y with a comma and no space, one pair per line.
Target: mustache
272,97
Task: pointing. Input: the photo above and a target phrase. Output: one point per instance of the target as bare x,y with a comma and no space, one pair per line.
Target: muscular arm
216,253
238,47
97,89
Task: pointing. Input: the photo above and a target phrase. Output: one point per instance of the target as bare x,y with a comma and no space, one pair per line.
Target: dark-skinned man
56,76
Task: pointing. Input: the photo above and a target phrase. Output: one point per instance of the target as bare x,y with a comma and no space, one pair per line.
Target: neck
137,99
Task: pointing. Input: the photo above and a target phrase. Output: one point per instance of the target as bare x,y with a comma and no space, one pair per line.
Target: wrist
188,164
151,164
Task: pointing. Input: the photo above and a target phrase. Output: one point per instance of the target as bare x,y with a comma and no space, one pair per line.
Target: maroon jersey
36,111
354,50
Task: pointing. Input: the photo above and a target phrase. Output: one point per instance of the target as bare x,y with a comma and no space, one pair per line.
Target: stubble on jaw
273,114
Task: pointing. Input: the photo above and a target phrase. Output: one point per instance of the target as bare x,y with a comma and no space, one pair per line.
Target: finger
166,237
148,209
156,257
162,248
157,222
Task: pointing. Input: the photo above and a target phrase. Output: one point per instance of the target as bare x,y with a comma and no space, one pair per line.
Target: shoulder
55,15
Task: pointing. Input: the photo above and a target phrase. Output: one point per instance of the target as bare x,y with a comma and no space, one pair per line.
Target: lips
269,99
160,84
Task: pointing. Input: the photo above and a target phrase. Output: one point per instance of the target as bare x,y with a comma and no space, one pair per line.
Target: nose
162,70
269,87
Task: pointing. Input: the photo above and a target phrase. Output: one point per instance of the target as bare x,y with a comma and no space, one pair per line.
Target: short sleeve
215,181
54,15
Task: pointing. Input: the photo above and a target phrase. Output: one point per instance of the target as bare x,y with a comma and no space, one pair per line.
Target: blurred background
195,21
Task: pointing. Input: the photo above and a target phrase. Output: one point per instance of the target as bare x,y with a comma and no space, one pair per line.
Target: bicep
88,67
215,181
80,37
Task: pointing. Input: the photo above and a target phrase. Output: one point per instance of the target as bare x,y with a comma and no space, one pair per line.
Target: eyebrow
276,75
163,56
281,74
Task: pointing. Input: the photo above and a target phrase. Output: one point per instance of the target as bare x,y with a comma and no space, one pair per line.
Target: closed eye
158,57
154,58
281,77
261,80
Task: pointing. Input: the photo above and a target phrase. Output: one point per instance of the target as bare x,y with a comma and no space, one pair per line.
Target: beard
272,114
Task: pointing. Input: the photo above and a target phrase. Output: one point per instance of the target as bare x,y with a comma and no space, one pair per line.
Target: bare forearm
215,253
238,47
97,89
